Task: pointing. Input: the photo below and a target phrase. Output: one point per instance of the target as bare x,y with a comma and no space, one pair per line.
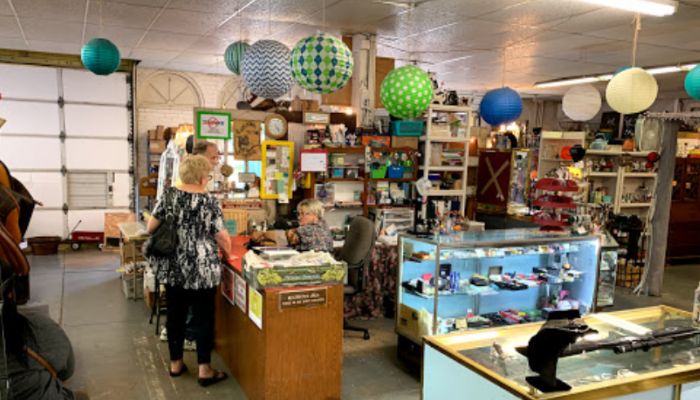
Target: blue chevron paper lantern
233,56
266,69
100,56
321,63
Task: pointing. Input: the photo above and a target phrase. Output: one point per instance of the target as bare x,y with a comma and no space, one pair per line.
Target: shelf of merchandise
602,174
551,144
635,205
640,174
615,153
430,139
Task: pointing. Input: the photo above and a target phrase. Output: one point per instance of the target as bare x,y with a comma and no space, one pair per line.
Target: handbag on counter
163,242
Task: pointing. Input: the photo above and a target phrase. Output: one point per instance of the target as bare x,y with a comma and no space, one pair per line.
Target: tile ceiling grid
461,40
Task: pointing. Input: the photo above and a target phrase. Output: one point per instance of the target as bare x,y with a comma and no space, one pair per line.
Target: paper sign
241,288
227,283
314,161
303,298
255,306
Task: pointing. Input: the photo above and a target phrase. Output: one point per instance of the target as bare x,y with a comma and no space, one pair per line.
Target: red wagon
77,238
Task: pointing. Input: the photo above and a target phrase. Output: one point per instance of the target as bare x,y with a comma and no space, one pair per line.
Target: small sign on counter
227,277
303,298
241,292
255,307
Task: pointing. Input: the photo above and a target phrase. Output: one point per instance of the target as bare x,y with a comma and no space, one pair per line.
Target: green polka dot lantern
233,56
321,63
100,56
406,92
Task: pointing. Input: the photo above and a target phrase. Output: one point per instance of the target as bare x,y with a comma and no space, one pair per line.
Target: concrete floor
119,357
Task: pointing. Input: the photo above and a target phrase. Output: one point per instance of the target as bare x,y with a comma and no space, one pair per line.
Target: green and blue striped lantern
321,63
692,83
233,56
100,56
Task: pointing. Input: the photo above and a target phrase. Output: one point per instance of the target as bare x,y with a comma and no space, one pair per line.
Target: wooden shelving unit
431,139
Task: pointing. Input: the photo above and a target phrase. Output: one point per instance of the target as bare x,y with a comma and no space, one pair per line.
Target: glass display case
492,278
486,364
607,271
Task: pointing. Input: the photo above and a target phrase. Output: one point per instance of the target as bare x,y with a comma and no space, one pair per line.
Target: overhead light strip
606,77
657,8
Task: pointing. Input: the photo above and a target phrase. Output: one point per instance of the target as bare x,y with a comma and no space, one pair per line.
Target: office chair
357,253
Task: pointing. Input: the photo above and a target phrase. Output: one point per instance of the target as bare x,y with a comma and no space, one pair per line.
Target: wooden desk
296,355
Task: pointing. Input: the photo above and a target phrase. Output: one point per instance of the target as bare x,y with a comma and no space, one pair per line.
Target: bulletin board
277,170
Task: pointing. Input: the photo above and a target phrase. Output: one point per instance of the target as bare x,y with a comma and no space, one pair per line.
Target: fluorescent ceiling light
567,82
663,70
451,60
606,77
657,8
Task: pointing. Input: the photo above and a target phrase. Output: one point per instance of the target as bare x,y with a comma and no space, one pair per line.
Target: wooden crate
112,221
629,275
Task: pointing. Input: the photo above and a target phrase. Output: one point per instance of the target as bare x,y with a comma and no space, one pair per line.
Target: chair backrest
358,242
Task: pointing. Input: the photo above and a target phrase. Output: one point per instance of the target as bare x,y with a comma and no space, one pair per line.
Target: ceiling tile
9,27
54,47
536,12
15,44
56,10
210,44
167,41
222,7
122,37
52,30
124,15
189,22
151,3
5,8
150,55
199,59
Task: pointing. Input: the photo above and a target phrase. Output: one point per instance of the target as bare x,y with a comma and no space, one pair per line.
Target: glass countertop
499,236
595,370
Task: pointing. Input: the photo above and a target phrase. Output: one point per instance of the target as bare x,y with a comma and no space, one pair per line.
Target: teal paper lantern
321,63
692,83
100,56
406,92
233,56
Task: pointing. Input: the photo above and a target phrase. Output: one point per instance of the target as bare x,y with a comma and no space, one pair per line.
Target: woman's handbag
163,242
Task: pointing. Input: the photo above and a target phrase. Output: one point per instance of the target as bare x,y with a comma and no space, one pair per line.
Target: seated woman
313,232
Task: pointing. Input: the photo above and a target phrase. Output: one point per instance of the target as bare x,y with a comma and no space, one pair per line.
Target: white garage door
67,139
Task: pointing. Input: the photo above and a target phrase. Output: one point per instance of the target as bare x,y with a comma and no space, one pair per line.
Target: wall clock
275,126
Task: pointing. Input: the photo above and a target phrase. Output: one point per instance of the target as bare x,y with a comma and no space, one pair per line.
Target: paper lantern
265,69
501,106
234,55
100,56
631,91
406,92
692,83
321,63
581,103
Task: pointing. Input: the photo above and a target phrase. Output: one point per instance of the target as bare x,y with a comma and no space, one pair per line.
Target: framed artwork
320,118
212,124
246,143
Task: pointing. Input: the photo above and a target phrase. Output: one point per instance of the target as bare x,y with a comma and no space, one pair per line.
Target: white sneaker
190,345
164,334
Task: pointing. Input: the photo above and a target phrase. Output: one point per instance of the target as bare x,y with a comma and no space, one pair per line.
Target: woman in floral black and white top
193,272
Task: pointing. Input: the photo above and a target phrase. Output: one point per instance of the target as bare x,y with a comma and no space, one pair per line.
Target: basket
407,128
44,245
629,275
395,172
132,286
378,173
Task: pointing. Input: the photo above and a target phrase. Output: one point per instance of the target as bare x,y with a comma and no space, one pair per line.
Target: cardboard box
305,105
152,134
160,132
405,141
156,146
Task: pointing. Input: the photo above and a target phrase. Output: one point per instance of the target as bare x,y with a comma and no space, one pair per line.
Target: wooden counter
296,355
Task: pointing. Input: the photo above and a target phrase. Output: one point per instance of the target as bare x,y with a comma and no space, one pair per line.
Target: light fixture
657,8
669,69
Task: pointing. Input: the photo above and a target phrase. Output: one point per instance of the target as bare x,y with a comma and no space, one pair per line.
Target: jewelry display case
470,280
486,365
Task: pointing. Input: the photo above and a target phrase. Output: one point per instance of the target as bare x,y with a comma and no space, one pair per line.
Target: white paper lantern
631,91
581,103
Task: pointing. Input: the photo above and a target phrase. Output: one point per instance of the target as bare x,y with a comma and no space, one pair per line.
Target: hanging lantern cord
323,24
637,28
100,35
503,71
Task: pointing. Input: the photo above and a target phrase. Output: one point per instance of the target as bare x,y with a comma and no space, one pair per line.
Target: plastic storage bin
407,128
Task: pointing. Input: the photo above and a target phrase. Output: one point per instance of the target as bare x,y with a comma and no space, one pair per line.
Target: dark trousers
202,305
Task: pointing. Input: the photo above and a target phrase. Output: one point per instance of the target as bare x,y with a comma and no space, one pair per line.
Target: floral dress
315,237
197,218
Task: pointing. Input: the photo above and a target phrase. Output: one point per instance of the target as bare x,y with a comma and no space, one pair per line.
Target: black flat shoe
218,377
176,374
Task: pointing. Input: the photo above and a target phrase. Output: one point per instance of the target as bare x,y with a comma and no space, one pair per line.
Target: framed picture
212,124
246,144
320,118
